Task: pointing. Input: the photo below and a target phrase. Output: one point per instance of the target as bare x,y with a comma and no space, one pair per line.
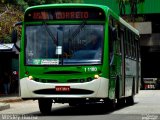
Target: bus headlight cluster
96,76
30,78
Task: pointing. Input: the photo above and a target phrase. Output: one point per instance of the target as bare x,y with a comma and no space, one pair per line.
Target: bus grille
71,92
68,81
80,80
46,80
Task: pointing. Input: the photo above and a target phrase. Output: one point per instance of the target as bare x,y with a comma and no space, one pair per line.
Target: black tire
45,106
121,102
72,104
110,104
130,100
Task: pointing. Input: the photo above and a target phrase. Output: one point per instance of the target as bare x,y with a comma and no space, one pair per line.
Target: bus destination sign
65,14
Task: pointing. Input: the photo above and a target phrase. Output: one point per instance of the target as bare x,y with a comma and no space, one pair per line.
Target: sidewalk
6,99
4,106
10,98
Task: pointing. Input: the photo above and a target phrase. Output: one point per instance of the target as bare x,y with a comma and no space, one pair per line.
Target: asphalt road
146,107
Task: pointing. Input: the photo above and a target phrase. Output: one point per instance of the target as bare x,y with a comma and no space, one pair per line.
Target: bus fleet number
90,69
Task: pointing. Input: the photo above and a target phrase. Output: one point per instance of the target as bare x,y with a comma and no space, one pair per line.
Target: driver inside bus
91,49
94,41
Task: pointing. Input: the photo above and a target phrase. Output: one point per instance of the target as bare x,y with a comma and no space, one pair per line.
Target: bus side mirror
113,33
14,36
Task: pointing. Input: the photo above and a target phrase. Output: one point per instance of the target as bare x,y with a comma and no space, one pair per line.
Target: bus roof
121,20
85,5
66,5
129,26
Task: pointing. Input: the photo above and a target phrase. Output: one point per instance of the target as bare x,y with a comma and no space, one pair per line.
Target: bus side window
139,52
126,42
130,44
133,45
127,47
136,49
119,49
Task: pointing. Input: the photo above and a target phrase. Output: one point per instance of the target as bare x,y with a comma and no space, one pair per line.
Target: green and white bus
77,54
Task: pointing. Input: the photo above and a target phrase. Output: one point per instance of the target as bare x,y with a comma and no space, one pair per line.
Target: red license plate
62,88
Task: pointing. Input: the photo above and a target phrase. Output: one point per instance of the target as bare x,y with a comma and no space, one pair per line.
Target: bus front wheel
110,104
45,105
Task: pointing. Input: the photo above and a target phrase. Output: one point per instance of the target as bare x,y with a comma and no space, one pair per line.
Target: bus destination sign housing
65,14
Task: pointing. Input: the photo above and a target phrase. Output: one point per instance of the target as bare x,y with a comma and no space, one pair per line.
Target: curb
8,100
4,106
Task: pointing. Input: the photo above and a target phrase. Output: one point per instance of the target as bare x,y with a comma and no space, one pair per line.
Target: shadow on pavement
93,109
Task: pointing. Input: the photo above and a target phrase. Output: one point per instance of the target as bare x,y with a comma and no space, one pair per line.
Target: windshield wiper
50,33
76,32
79,29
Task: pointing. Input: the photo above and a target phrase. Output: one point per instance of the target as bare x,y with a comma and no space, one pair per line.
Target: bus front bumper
97,88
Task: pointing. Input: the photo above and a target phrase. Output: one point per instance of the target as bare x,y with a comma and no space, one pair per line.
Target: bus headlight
30,78
96,76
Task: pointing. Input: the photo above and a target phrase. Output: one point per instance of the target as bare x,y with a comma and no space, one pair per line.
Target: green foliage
9,15
128,1
40,2
22,4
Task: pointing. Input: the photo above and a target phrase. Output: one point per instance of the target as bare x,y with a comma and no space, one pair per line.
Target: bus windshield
64,44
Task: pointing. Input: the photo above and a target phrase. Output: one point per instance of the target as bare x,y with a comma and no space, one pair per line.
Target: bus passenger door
112,61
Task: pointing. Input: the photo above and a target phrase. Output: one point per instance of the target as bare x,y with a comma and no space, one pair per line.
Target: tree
132,3
9,15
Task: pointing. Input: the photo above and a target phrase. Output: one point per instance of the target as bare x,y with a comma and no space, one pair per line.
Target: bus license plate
62,88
